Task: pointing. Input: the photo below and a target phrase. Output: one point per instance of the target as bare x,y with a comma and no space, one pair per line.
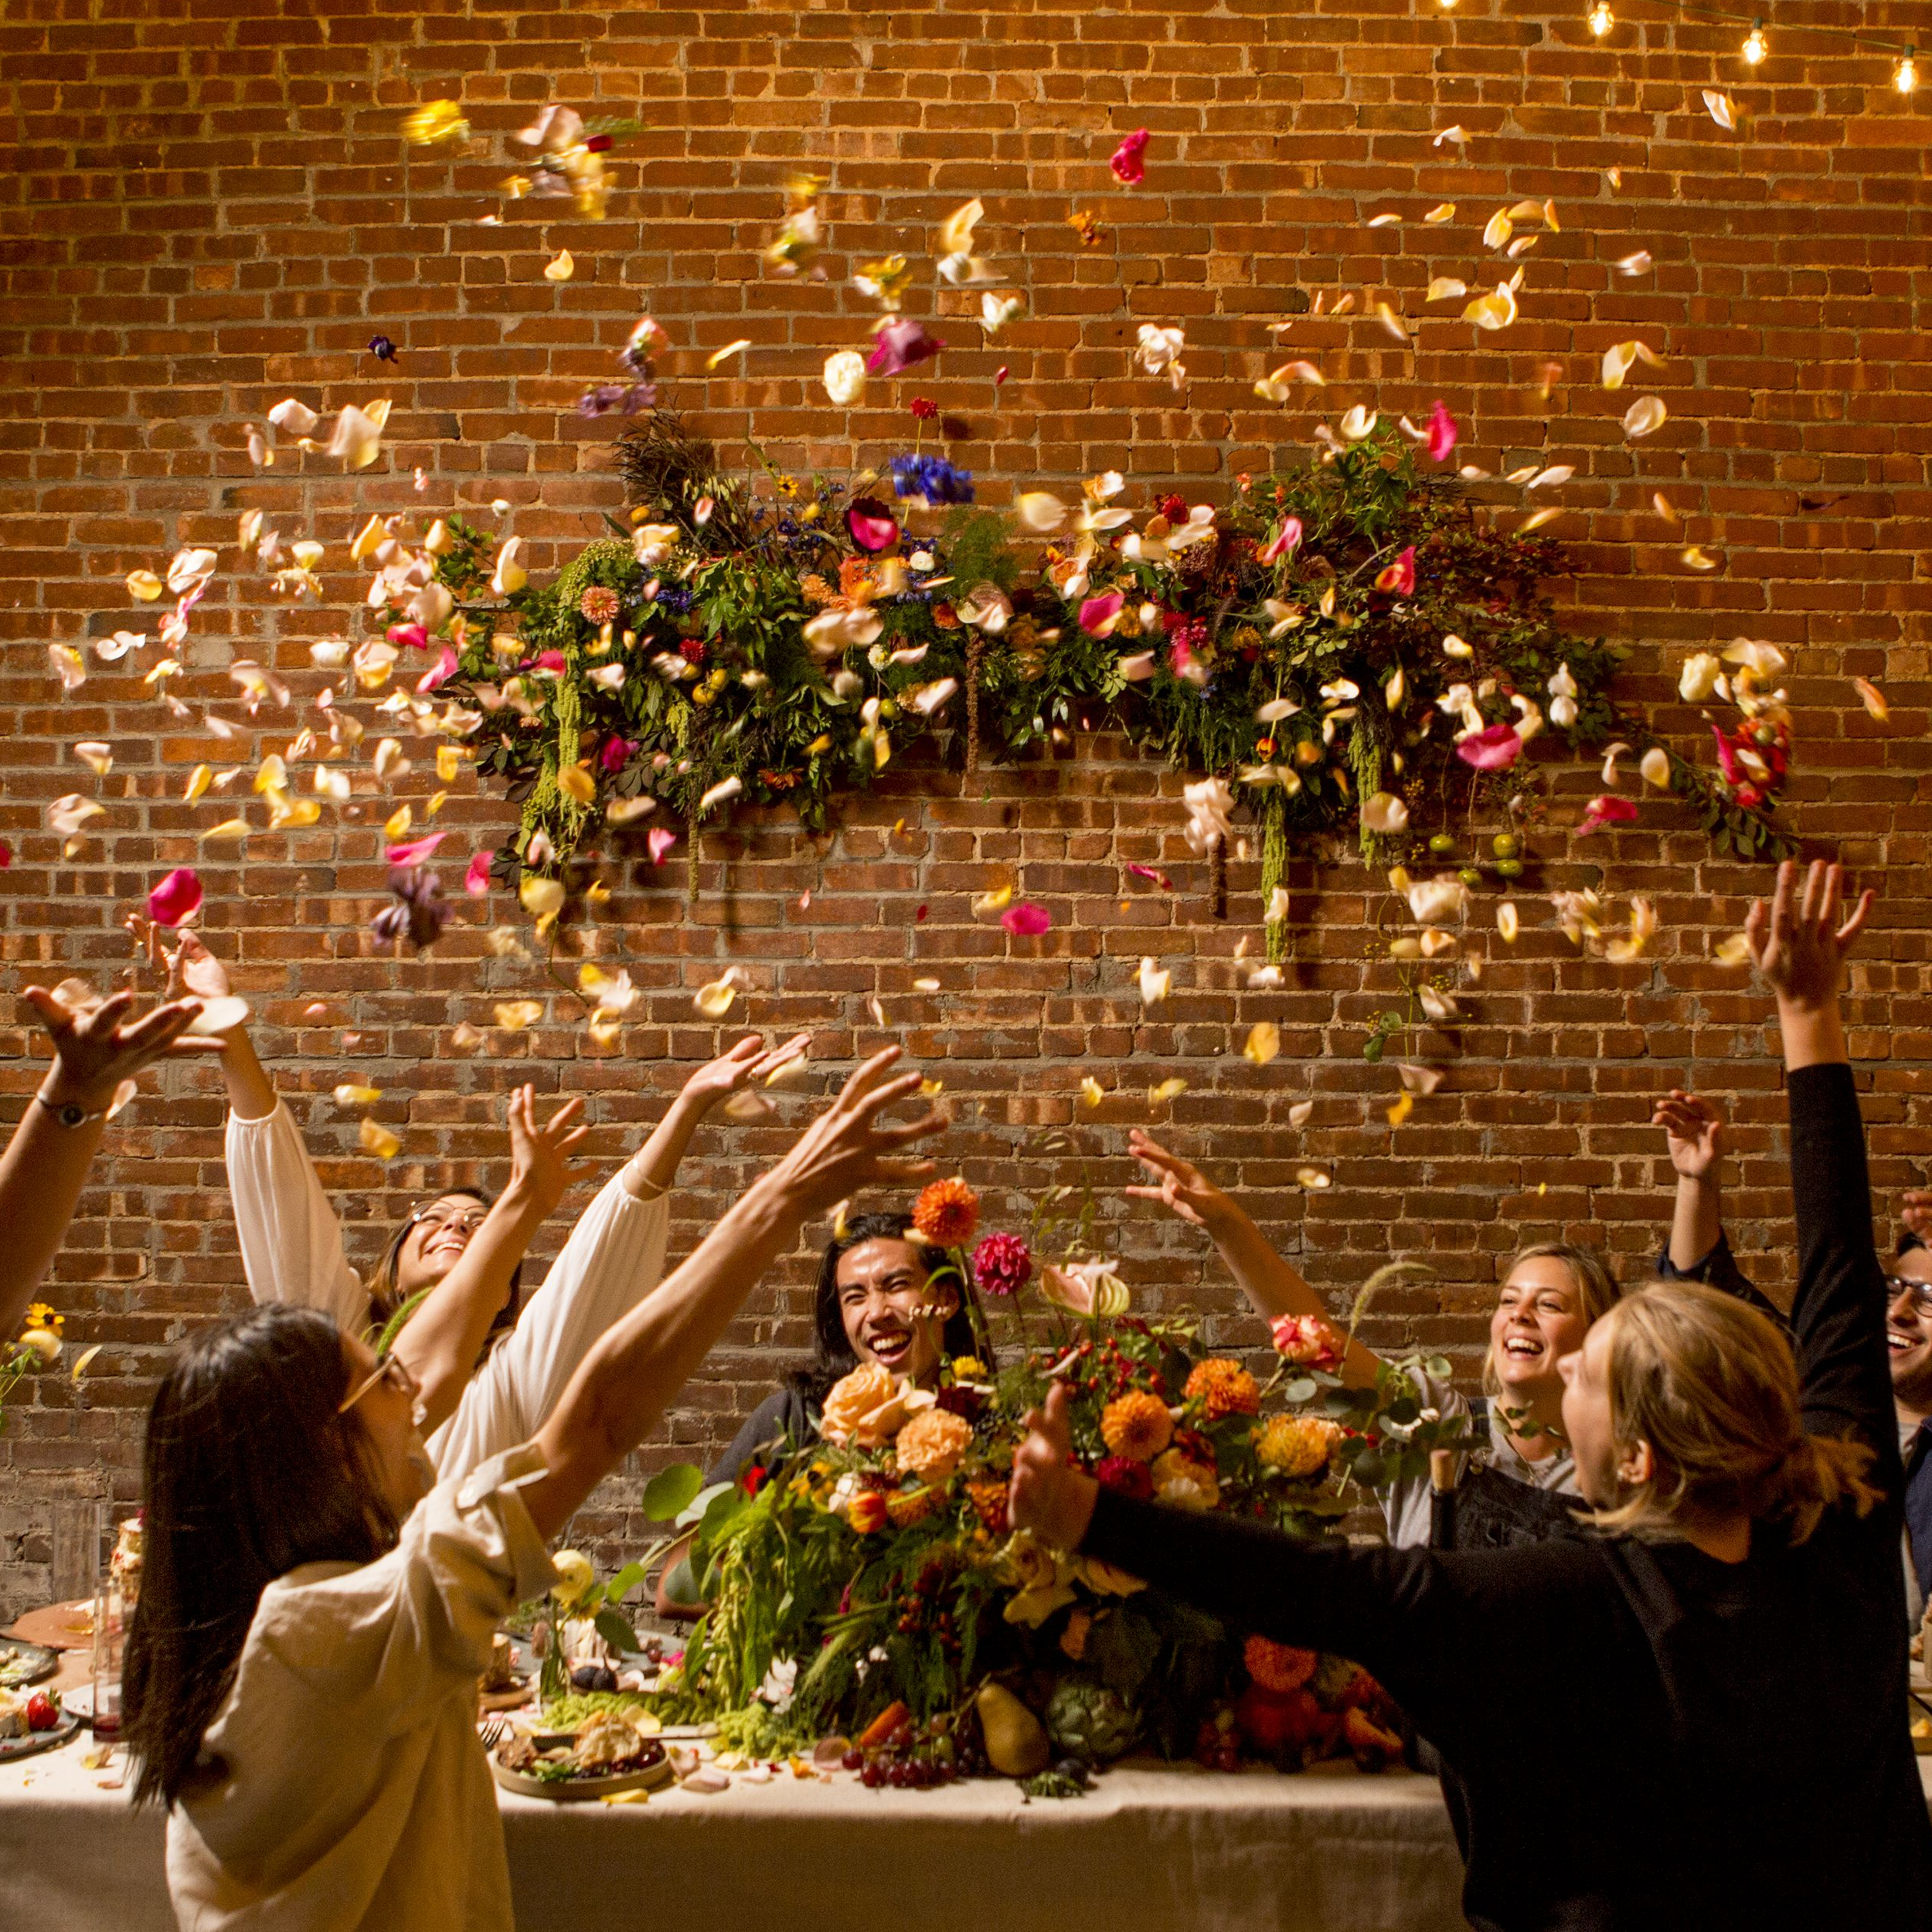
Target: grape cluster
916,1757
1217,1747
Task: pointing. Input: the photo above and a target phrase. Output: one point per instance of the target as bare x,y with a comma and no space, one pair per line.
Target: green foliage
671,1491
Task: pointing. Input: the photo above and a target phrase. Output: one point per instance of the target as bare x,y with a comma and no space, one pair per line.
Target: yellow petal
1442,211
145,585
932,1089
1405,1105
1443,287
1734,951
228,828
1644,416
724,355
449,762
86,1356
606,1029
398,823
285,811
1299,1114
348,1095
1092,1092
1874,698
1497,230
377,1139
1537,518
1264,1041
542,898
437,801
996,901
561,270
1506,922
198,781
513,1015
1312,1178
1167,1090
1694,558
714,1000
575,783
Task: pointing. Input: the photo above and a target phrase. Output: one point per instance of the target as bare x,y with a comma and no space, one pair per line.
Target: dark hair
251,1473
385,1297
1907,1242
831,1353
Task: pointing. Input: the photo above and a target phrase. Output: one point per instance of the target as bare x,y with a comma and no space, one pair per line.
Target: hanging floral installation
1347,650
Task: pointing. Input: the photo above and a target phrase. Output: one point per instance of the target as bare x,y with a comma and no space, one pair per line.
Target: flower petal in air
1384,813
1872,698
1263,1042
1128,162
1493,748
1442,434
1606,810
1026,920
176,895
871,526
561,269
476,880
1720,108
1399,578
1101,616
1646,416
415,851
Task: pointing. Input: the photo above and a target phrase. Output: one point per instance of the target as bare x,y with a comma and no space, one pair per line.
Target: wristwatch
71,1113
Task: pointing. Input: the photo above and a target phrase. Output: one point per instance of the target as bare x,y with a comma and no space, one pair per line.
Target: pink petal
476,881
1727,758
615,750
659,843
1492,750
1026,920
1442,434
175,898
411,635
6,854
1129,162
872,529
1097,614
1399,577
1154,878
1288,538
439,674
415,851
1607,811
900,345
549,661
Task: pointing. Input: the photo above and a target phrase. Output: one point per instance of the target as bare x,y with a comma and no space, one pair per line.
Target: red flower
1607,811
1493,750
1001,1264
1399,578
1173,508
924,408
1123,1473
755,1477
1442,434
692,650
1129,163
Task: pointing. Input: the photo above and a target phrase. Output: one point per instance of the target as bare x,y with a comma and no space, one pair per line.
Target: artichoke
1087,1720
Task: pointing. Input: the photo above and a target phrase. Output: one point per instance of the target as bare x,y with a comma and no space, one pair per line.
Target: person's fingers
887,1168
874,1102
1059,1429
565,1113
1832,897
1756,931
868,1076
42,999
152,1030
1817,884
932,1121
101,1020
1860,913
573,1139
1146,1194
199,1043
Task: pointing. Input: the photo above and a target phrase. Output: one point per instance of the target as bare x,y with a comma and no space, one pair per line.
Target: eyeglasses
1920,1291
391,1368
468,1219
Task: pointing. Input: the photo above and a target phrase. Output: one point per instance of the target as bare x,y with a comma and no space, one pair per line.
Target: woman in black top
1719,1738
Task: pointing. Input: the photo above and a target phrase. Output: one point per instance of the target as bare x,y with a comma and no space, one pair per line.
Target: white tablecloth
1150,1847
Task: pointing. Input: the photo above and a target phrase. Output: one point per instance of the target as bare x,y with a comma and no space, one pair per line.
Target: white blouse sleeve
613,1258
292,1244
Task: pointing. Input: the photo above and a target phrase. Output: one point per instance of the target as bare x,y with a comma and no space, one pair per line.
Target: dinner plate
23,1664
14,1748
565,1791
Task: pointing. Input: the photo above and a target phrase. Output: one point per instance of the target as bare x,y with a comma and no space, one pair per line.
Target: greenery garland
1325,645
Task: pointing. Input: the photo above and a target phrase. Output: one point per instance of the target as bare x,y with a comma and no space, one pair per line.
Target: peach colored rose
866,1409
932,1443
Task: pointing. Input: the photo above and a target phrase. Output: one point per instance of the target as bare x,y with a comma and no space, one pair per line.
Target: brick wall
209,209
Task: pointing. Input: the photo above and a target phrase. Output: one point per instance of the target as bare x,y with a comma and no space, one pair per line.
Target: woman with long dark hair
301,1677
874,1305
292,1250
1713,1726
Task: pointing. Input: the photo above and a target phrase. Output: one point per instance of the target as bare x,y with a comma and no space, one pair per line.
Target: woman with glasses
292,1251
1709,1721
300,1678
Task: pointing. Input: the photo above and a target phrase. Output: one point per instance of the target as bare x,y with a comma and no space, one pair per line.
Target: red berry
43,1714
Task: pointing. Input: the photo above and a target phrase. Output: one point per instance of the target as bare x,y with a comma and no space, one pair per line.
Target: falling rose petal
997,901
1420,1080
1735,951
561,269
1636,264
1167,1090
1383,221
464,1037
1128,163
1403,1105
67,814
1039,512
1138,668
517,1016
1507,923
1313,1178
1655,765
99,758
1693,557
1872,698
348,1096
1442,434
901,344
175,897
714,1000
1398,578
1384,813
1263,1042
1720,108
1026,920
871,526
377,1139
1151,876
1443,288
1606,810
1646,416
145,585
1101,616
658,842
1493,748
720,356
1443,212
415,851
1155,982
1285,542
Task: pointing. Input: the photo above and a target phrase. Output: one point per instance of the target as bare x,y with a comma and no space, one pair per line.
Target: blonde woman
1710,1729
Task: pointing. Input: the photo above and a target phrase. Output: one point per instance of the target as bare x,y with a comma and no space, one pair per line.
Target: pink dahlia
598,605
1002,1264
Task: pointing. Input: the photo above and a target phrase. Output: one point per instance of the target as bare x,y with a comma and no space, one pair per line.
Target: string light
1754,49
1601,19
1905,77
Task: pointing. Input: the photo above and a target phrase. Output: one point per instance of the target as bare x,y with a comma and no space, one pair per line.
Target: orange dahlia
1224,1388
989,1504
946,1214
1297,1446
1137,1426
1277,1667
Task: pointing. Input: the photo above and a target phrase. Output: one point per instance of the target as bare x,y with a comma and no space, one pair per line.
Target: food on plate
610,1745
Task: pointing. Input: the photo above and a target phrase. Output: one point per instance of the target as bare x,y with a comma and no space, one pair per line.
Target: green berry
1469,875
1509,869
1442,842
1505,845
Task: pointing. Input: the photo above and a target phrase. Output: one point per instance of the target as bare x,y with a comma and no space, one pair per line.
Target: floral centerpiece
866,1586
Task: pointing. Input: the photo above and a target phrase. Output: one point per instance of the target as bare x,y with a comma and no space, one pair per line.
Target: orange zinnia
1277,1667
1224,1388
1137,1426
946,1214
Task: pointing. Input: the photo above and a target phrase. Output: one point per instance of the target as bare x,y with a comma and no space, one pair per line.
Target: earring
419,1414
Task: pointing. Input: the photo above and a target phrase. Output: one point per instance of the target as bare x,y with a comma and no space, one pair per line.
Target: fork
495,1729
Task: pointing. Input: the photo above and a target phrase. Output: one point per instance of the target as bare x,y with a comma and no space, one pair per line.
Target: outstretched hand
94,1051
1799,943
1180,1186
1048,1495
846,1148
740,1067
540,1167
1693,1132
190,972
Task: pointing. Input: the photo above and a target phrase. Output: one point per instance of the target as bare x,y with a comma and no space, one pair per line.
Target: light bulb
1601,19
1905,77
1448,6
1754,49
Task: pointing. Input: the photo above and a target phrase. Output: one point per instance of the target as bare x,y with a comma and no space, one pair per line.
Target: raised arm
1270,1284
440,1341
46,1163
654,1167
630,1377
1837,1317
1698,1249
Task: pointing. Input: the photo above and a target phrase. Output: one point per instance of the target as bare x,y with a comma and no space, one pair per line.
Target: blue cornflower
932,478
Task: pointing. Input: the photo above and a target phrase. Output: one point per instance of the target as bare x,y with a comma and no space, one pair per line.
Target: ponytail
1815,1474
